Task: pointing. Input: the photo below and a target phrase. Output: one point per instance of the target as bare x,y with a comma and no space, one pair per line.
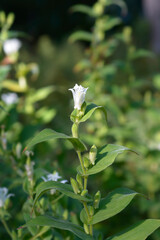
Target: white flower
53,177
4,196
9,98
11,46
79,93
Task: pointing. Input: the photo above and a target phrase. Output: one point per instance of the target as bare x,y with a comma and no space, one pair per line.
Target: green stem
85,182
81,162
59,197
75,133
6,227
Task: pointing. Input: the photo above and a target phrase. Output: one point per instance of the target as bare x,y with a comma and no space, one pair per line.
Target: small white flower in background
53,177
79,93
4,196
11,46
9,98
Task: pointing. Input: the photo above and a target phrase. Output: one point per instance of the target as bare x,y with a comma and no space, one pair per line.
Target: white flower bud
92,154
79,93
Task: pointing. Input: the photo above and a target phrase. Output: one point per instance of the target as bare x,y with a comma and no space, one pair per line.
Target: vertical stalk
6,227
85,178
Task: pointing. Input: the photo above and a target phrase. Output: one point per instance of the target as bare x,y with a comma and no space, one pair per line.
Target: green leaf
48,134
63,188
114,203
112,22
80,35
15,34
13,86
40,94
60,224
82,9
138,231
142,53
105,157
90,110
4,70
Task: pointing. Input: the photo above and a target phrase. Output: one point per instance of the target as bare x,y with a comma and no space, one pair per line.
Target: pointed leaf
48,134
114,203
82,9
138,231
63,188
90,110
80,35
105,157
112,22
60,224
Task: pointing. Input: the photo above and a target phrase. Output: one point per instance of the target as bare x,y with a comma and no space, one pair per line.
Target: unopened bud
10,19
91,210
84,192
86,228
92,154
86,162
2,17
79,180
74,185
97,199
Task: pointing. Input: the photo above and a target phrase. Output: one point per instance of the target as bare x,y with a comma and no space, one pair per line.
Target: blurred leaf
138,231
114,203
4,70
63,188
48,134
45,114
90,110
40,94
15,34
80,35
156,81
13,86
112,22
83,9
141,53
105,157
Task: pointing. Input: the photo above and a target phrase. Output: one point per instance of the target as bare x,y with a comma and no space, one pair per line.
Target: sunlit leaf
83,9
111,22
90,110
48,134
114,203
13,86
80,35
138,231
105,157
